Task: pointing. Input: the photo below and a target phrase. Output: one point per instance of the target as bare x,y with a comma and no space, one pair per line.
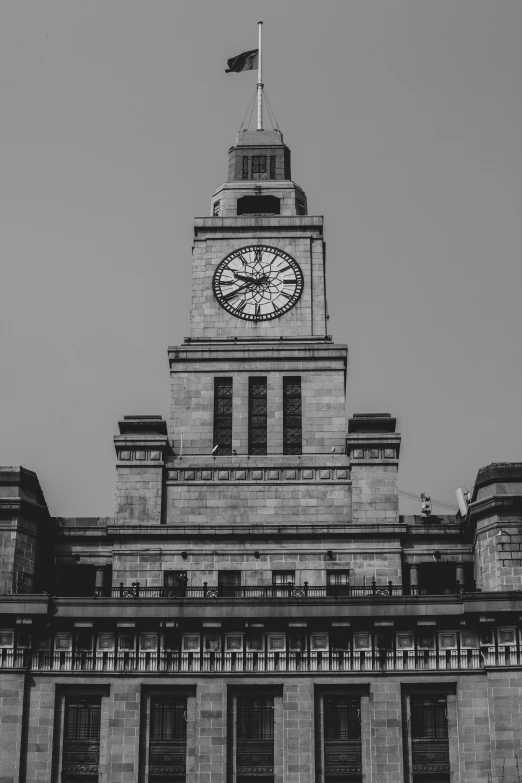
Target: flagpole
260,82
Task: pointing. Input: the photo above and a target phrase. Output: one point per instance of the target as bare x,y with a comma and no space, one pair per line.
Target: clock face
258,283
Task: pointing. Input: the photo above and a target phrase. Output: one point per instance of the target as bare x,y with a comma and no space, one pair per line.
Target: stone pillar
414,579
373,448
99,582
141,447
459,576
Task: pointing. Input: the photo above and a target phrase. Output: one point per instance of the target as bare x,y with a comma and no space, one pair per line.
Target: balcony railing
257,662
290,590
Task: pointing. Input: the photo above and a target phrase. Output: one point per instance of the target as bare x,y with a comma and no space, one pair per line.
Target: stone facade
282,585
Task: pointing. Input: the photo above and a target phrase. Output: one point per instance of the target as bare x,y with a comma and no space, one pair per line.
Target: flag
243,62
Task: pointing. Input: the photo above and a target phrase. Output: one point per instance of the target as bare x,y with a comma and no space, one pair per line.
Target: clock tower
257,423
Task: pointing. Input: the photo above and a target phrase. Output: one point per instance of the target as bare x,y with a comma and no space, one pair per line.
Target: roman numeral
241,306
288,280
284,269
258,309
287,296
258,255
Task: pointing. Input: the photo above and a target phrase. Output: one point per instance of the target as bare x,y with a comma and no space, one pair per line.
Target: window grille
245,168
81,739
257,416
283,579
223,415
259,167
429,739
168,719
428,718
215,208
272,167
341,718
255,718
167,740
292,416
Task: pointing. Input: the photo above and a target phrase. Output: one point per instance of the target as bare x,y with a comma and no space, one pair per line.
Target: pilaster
141,448
373,448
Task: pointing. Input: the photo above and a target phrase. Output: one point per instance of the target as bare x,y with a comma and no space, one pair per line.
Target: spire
260,80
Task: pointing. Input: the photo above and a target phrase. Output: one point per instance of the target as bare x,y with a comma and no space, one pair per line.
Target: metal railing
257,662
290,590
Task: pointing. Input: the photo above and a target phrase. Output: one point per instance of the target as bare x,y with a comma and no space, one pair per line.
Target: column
414,579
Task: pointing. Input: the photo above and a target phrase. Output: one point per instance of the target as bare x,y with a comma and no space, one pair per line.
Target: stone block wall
309,562
498,554
139,492
322,372
374,493
11,716
484,715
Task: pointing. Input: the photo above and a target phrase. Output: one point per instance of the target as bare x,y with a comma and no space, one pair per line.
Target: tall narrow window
215,208
223,415
81,740
245,168
167,740
429,739
272,167
259,167
337,583
175,584
342,739
255,739
257,412
292,416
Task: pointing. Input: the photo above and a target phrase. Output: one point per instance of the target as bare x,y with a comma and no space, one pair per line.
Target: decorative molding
293,475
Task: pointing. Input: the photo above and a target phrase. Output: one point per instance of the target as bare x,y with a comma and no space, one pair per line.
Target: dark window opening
175,584
81,739
441,578
272,167
337,583
215,208
300,207
342,739
255,739
292,416
259,167
223,416
258,205
229,583
283,582
257,416
245,168
75,580
167,742
429,739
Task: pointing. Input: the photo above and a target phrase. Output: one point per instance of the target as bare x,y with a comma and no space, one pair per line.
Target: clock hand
232,294
244,277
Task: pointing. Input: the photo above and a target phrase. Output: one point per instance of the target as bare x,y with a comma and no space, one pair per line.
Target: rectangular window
81,739
337,583
429,738
257,416
175,584
259,167
245,168
272,167
223,416
229,583
215,208
292,416
342,739
255,739
300,207
283,581
167,740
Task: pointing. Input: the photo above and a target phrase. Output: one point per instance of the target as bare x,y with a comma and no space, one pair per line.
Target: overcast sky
404,118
